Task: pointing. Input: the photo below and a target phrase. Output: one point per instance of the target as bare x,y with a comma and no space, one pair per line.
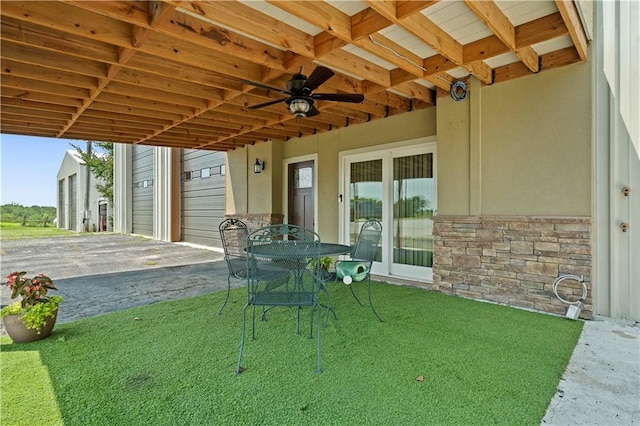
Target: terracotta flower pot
19,333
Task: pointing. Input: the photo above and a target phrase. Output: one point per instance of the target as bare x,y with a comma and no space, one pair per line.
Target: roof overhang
170,73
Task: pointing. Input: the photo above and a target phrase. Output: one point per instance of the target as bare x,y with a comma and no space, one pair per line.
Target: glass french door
396,187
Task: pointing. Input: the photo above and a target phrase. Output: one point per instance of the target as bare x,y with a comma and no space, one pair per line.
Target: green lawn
173,363
14,231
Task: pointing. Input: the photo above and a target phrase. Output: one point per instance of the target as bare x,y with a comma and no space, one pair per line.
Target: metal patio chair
358,268
279,274
233,233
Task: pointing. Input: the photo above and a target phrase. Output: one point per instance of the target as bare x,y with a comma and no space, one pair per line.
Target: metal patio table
300,251
296,249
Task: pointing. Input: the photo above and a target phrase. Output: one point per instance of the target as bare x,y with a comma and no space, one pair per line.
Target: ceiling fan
301,98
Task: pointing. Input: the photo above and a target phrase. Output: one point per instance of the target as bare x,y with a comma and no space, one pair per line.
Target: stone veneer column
255,221
513,260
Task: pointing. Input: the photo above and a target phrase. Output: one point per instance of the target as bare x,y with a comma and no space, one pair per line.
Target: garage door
203,196
142,206
62,218
73,202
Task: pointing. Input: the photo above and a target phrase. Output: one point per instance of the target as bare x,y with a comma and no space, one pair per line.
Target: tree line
32,216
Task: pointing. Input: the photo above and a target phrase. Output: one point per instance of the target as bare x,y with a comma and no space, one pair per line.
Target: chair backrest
285,232
366,246
277,261
233,233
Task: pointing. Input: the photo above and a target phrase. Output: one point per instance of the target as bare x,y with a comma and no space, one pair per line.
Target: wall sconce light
258,166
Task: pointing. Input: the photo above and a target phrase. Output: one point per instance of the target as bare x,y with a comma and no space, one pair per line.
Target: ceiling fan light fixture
299,107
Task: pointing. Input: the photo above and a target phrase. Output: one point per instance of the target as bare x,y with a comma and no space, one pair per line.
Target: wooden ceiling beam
156,95
146,127
78,126
139,107
37,72
52,60
549,61
189,29
162,68
141,112
352,64
326,43
157,12
372,42
367,22
21,103
540,30
29,34
419,92
28,112
250,21
28,125
166,84
424,29
126,118
318,13
573,22
84,23
406,8
22,94
497,21
24,131
393,53
33,85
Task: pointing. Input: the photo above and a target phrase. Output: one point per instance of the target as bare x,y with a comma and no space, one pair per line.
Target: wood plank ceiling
170,73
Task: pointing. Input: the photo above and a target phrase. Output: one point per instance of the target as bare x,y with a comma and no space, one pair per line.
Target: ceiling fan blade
313,111
317,77
267,103
264,86
339,97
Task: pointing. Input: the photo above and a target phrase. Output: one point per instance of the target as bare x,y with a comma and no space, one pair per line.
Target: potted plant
323,263
33,317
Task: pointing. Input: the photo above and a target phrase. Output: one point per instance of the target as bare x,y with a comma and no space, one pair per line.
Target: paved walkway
103,273
601,385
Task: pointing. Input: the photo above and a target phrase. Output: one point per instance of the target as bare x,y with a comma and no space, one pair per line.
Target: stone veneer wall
513,260
255,221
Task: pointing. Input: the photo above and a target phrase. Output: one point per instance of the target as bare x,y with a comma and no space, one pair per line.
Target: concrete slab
601,385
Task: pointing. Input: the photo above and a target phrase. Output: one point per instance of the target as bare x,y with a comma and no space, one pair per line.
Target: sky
29,168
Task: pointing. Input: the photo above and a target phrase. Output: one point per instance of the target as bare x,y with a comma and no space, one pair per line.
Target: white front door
397,187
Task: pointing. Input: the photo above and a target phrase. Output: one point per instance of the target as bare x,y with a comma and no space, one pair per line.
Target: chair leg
371,303
264,313
244,318
228,291
354,294
319,369
253,323
329,308
313,311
